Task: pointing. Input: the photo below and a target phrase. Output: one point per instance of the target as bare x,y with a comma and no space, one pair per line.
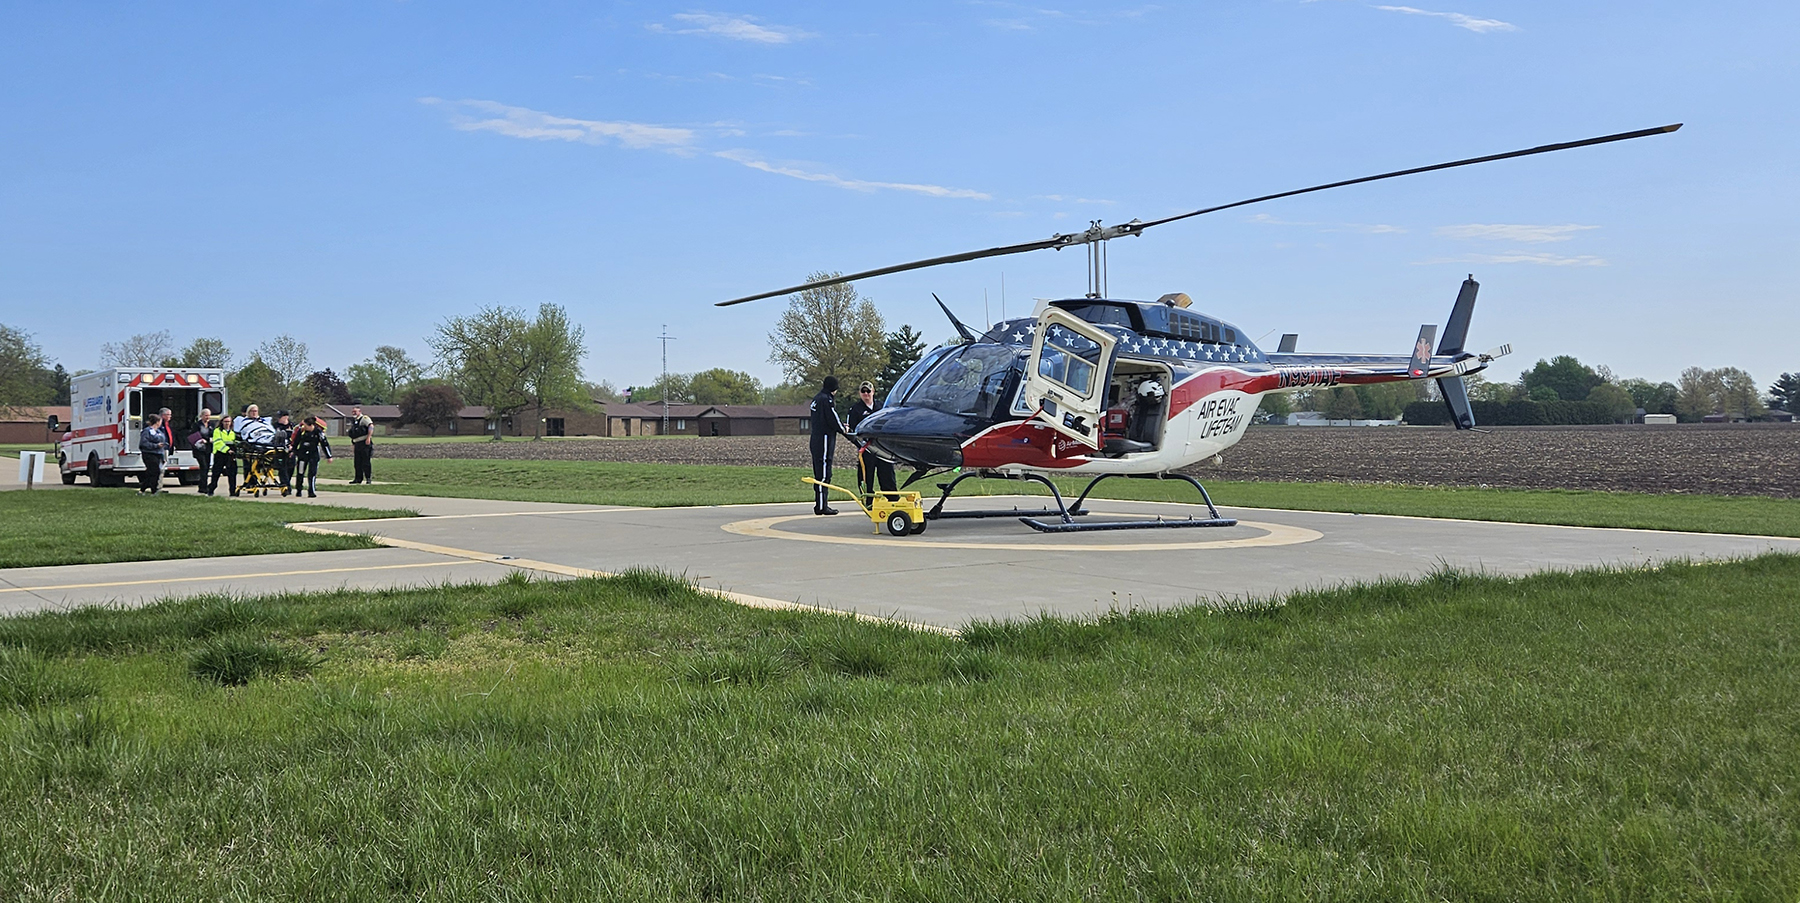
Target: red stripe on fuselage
1191,391
1027,443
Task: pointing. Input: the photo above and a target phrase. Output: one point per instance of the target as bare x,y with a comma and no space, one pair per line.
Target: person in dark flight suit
824,430
868,466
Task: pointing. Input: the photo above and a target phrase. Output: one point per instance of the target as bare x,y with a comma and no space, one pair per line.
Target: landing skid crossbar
1068,525
937,511
1066,513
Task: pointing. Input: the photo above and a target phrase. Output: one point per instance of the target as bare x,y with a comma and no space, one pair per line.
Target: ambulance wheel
898,524
68,476
93,470
918,528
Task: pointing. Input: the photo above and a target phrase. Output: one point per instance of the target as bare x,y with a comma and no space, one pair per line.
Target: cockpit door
1067,373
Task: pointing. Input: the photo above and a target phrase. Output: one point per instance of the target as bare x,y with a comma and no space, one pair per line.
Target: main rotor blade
1097,233
1051,242
1542,149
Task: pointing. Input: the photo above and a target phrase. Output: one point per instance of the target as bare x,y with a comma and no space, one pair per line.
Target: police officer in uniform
825,428
868,466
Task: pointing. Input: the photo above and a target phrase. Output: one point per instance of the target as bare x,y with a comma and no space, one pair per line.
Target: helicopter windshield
969,380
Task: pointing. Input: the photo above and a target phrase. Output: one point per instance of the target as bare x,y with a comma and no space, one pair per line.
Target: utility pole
666,338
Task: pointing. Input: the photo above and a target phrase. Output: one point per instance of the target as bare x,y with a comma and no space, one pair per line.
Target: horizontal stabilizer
1482,360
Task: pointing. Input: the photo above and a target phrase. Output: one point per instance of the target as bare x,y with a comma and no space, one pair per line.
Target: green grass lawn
1591,736
88,526
593,482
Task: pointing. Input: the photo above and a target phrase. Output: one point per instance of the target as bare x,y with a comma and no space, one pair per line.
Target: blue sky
352,173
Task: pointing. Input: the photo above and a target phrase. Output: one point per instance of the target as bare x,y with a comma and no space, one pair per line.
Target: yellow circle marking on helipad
1274,535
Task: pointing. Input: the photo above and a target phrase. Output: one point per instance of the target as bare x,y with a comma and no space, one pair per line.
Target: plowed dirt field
1741,459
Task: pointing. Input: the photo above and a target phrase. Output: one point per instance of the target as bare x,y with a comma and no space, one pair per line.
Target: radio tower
666,338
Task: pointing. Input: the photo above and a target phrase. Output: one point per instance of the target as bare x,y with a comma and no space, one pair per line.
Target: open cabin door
1067,374
134,418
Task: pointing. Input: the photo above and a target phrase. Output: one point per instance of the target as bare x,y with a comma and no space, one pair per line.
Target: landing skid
1066,514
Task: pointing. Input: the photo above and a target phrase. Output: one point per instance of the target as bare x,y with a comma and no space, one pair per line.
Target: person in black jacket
308,443
201,440
868,466
284,438
824,430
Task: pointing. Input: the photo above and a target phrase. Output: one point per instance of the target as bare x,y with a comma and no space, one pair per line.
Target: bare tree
148,349
829,331
287,356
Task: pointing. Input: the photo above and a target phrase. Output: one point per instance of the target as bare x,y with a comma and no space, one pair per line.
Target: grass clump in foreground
663,485
1599,735
81,526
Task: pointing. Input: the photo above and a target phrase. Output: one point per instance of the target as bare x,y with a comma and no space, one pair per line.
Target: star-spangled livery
1109,387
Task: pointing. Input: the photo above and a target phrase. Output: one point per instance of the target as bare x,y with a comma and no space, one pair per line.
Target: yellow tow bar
901,512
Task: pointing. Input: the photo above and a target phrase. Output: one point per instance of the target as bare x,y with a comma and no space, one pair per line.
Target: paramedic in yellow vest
224,457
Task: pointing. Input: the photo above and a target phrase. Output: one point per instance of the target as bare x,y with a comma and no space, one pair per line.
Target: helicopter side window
1070,359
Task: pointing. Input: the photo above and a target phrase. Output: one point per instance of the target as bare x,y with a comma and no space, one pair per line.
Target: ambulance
108,415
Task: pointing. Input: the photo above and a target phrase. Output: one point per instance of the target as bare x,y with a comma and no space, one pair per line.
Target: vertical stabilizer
1456,398
1457,329
1421,355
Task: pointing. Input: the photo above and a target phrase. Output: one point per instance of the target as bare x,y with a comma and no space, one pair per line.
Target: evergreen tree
904,349
1785,393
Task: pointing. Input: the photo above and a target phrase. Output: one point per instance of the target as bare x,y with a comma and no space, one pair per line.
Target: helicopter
1121,388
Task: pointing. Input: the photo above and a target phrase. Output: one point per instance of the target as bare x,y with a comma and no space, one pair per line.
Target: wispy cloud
1065,199
1539,258
1025,17
520,122
733,28
1524,233
1458,19
1363,228
747,158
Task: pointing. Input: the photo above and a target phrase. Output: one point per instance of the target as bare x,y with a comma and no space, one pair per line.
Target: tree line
499,358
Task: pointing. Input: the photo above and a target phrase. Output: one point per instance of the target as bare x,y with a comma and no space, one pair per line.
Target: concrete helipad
957,571
962,570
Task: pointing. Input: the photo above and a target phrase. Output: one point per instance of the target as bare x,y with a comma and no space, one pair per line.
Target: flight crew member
201,441
868,466
823,434
309,442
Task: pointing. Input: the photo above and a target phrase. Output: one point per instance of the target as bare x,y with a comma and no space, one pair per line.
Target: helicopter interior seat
1133,422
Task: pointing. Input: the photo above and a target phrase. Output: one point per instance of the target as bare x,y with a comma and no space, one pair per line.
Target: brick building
707,419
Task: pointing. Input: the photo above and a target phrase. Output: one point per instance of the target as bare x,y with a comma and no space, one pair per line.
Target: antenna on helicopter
961,330
1096,235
